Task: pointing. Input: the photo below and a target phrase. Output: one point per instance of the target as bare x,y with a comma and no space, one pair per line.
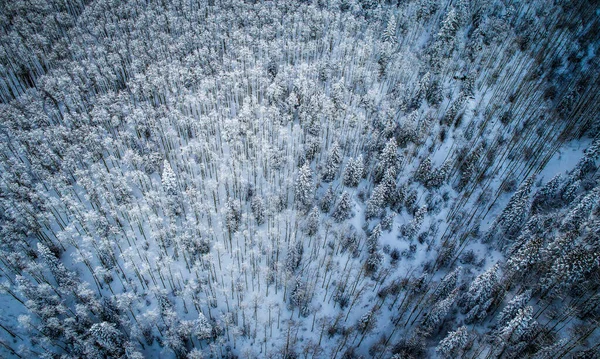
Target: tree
376,204
453,342
547,195
449,26
333,163
423,172
389,34
446,285
312,222
518,326
258,209
64,278
108,337
203,330
294,256
512,308
374,257
168,178
304,187
353,172
232,215
327,200
482,288
388,158
580,212
410,230
438,312
343,209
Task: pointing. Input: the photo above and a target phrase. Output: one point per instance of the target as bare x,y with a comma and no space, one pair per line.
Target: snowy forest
341,179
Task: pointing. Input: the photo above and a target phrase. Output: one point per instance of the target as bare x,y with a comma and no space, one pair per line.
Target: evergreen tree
514,330
333,163
446,285
304,187
581,211
389,34
258,209
353,172
168,178
232,215
108,337
312,222
453,342
388,158
343,209
547,195
438,312
512,308
203,328
423,172
482,288
327,200
438,176
376,204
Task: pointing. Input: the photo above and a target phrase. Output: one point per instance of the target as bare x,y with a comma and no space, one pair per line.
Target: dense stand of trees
285,179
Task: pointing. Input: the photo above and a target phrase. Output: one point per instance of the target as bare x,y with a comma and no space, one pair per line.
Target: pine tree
353,172
423,172
518,326
168,178
438,176
512,217
304,187
343,209
575,265
333,163
389,34
438,312
258,209
232,215
547,195
453,342
388,158
482,288
204,329
512,308
374,257
108,337
525,257
327,200
422,89
294,256
581,211
65,279
312,222
377,201
449,26
447,285
411,229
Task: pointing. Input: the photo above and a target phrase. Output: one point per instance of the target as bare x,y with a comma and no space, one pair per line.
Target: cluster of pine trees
299,179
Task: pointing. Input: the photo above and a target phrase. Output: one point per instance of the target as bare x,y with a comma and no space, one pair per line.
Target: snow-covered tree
333,163
518,326
203,330
108,337
512,307
169,179
304,186
343,209
453,342
353,172
258,209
